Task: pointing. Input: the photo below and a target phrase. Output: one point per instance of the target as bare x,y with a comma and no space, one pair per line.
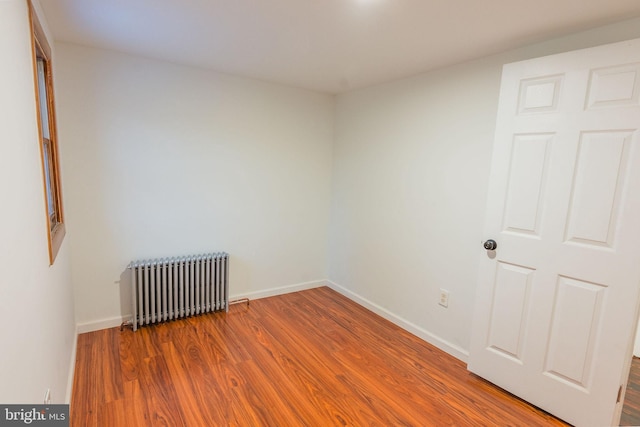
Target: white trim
97,325
280,291
442,344
72,367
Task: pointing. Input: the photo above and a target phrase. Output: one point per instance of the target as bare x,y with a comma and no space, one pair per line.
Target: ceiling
324,45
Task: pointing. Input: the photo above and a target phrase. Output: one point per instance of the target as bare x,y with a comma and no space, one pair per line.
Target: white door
556,302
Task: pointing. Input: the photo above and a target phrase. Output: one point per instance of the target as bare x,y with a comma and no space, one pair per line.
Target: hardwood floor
631,408
311,358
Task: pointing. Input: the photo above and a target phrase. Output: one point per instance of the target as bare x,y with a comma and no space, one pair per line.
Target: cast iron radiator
171,288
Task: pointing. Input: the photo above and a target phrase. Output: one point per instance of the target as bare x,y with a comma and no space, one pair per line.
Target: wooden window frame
41,51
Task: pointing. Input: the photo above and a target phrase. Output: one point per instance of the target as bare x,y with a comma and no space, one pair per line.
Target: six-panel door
556,303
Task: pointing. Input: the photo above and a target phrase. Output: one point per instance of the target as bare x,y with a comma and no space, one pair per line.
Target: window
47,136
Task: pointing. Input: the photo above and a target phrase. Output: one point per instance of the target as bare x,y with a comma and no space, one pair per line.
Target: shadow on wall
126,296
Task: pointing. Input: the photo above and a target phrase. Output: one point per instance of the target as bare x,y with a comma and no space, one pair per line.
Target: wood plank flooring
631,408
311,358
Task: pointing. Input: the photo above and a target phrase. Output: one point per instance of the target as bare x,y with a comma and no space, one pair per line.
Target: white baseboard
72,367
442,344
97,325
280,291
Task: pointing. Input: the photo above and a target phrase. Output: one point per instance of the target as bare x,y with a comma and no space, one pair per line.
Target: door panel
614,86
597,187
539,94
510,305
574,331
556,303
527,182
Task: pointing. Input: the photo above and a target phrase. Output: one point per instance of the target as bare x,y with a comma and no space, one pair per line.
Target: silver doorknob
490,245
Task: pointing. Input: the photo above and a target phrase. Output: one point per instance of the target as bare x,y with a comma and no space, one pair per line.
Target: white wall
164,160
37,335
411,168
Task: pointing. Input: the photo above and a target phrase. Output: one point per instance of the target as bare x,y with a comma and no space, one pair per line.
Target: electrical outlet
444,298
